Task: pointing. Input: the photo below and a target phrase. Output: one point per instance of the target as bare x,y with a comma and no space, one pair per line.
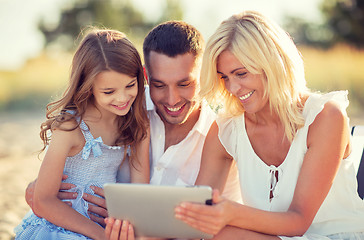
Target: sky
21,40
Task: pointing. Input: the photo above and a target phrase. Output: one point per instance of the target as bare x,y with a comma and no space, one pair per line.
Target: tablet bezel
150,208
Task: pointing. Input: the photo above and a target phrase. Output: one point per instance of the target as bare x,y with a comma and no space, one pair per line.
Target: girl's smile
114,92
121,106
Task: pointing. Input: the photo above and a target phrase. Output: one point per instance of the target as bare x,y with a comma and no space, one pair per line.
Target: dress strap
91,143
85,130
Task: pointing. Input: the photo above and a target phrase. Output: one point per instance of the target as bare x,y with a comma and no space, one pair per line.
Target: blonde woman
292,146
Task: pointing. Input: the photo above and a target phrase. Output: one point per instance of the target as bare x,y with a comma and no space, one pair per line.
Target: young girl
100,122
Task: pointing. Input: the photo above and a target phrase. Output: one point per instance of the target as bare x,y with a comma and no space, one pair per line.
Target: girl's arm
140,169
29,192
328,144
139,173
46,203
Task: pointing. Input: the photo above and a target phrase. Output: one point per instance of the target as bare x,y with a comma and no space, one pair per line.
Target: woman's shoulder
319,100
330,114
329,125
325,105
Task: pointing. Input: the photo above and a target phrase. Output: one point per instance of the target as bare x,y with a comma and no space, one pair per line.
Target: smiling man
179,122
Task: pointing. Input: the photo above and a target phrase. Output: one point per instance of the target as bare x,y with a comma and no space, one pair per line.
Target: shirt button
159,168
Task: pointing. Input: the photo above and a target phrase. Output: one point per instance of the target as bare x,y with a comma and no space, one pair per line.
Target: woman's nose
233,86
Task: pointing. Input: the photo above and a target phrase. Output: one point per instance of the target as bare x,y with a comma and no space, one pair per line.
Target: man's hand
29,192
99,206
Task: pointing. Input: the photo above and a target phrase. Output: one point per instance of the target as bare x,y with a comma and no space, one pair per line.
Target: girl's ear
145,74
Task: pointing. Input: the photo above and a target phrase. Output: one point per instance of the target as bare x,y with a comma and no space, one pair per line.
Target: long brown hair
100,50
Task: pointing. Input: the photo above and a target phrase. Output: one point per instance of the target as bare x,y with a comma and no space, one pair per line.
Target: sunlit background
38,37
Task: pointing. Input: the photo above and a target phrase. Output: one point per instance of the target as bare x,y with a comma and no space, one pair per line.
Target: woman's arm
215,166
46,203
215,161
327,143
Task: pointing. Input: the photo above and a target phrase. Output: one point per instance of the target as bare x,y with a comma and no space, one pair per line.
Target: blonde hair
101,50
263,48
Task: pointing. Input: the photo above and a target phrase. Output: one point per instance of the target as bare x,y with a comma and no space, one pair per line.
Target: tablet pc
150,208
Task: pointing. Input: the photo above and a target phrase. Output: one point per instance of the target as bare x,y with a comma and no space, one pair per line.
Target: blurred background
38,38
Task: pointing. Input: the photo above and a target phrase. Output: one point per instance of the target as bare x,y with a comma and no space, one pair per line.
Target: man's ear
145,74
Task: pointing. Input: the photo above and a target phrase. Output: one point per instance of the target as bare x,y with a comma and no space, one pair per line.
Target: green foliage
346,19
343,23
172,11
120,15
307,33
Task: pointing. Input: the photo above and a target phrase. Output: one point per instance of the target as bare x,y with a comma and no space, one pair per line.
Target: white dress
341,212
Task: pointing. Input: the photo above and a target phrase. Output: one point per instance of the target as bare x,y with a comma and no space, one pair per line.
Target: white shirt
341,211
180,163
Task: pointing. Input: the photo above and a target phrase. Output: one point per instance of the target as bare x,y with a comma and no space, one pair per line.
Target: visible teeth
174,109
246,95
120,106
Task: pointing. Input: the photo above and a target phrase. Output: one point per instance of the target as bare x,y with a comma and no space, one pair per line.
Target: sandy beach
19,164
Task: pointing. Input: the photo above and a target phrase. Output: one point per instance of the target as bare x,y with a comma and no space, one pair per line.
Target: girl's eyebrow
133,80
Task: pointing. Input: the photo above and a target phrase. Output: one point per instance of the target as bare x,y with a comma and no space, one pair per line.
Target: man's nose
173,96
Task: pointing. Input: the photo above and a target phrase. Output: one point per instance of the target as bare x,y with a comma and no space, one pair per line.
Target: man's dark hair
173,38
